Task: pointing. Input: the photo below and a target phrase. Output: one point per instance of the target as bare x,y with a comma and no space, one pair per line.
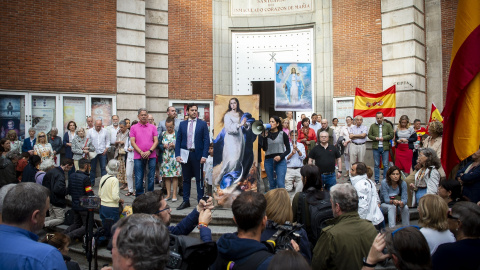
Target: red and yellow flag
367,105
435,114
461,132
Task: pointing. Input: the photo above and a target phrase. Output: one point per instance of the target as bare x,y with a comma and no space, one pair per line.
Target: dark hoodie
7,172
232,248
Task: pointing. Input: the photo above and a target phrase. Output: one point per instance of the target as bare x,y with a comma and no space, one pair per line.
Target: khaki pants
57,216
293,176
357,152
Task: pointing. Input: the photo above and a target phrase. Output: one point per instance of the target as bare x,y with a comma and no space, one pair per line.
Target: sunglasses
41,136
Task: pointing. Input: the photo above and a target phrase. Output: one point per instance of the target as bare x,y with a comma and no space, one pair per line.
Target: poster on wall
293,87
43,113
235,147
342,109
74,110
10,109
102,110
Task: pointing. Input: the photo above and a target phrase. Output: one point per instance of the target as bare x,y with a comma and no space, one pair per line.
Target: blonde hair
38,137
10,132
403,117
279,208
433,212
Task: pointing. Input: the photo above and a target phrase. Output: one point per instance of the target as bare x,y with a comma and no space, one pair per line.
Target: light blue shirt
355,130
19,249
296,160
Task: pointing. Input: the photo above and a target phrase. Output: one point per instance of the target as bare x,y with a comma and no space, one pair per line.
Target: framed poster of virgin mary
293,87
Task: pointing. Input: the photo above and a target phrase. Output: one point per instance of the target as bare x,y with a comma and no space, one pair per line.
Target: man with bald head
358,137
172,114
90,125
100,139
325,155
331,134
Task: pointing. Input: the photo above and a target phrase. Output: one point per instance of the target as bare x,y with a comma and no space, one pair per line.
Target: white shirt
296,161
435,238
113,133
193,133
380,127
130,154
101,140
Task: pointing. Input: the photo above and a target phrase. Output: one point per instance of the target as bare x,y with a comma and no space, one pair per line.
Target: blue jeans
139,167
103,162
280,169
329,180
419,194
376,158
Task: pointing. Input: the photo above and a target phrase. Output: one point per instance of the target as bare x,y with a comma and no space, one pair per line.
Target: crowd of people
348,225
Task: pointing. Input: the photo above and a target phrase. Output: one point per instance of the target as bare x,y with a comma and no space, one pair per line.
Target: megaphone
258,127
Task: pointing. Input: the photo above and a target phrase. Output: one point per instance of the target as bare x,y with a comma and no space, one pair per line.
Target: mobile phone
205,198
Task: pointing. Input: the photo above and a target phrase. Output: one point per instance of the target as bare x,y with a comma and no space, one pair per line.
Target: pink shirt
143,135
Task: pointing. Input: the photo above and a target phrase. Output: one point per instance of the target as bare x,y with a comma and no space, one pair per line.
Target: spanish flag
367,105
435,114
461,131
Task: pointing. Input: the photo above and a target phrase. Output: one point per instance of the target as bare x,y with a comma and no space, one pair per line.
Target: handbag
92,155
121,151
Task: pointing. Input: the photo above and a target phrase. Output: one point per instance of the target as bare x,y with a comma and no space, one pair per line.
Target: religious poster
102,110
293,87
235,147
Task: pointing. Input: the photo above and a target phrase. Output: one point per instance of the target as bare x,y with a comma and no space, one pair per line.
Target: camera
90,202
281,239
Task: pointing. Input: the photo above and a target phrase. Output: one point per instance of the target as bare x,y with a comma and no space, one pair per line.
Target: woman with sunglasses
464,223
42,148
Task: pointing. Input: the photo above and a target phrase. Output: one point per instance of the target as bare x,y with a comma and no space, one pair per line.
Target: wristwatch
367,264
340,171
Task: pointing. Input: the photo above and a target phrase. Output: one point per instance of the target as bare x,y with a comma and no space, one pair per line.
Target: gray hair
346,196
432,158
14,155
144,239
469,214
22,200
32,128
47,164
3,192
324,132
141,110
112,167
122,123
54,129
78,129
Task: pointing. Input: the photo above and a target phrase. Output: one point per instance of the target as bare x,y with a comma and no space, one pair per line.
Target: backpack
320,213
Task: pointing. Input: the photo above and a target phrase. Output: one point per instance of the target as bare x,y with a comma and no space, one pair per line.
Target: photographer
243,249
153,203
405,245
279,212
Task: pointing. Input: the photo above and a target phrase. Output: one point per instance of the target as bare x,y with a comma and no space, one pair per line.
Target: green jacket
387,134
344,244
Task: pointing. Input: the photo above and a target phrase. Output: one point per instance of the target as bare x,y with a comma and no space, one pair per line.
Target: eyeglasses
41,136
451,217
414,226
167,208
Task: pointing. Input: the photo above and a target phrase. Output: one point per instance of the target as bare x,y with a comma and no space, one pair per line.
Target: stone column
156,12
130,57
403,55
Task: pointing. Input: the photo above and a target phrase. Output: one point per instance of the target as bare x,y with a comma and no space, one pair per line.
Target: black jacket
7,172
29,173
78,184
54,180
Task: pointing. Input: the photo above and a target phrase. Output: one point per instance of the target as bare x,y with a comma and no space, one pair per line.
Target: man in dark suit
192,136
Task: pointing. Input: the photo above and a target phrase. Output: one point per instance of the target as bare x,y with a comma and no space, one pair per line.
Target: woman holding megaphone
276,147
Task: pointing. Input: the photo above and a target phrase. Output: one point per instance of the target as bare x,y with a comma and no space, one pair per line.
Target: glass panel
43,113
12,115
203,111
102,110
74,110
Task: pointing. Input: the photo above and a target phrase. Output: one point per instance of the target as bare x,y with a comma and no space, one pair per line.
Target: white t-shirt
436,238
208,169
